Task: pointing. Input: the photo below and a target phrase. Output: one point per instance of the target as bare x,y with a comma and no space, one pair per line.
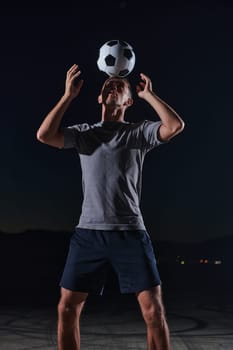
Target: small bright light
218,262
201,261
206,261
182,262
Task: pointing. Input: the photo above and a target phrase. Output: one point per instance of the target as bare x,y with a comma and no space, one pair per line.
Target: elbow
41,137
181,126
178,127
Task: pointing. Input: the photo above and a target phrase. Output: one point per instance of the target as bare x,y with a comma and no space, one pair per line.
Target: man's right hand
72,86
49,132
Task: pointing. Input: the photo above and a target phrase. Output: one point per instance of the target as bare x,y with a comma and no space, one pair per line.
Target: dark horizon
44,234
158,238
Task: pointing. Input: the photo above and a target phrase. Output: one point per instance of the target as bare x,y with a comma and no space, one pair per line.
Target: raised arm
48,131
172,124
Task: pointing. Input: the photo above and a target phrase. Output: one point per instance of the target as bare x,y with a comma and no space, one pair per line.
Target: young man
111,230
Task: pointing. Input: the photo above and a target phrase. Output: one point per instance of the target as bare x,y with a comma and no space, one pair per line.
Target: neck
112,115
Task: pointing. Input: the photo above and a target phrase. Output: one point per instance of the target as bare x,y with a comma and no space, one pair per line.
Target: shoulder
134,125
147,126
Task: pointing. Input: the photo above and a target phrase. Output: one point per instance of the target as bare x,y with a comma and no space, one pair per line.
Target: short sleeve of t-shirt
71,134
150,134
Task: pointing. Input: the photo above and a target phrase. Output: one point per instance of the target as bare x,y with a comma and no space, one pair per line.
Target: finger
144,76
75,75
72,69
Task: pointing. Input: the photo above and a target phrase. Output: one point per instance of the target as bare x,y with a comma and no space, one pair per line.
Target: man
111,230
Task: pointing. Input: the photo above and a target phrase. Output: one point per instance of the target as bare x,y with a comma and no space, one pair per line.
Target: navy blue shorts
93,252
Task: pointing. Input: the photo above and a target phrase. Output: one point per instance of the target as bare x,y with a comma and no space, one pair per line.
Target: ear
100,100
129,102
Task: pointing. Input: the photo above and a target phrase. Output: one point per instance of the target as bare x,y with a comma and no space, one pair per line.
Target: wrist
66,98
149,95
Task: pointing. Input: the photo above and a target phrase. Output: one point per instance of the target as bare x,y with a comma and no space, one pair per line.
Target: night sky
187,52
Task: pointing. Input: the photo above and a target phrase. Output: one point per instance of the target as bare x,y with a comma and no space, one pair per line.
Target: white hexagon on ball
116,58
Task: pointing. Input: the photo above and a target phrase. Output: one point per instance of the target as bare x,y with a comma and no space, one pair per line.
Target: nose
113,88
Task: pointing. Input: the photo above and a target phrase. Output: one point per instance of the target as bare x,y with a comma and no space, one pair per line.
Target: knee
68,310
154,316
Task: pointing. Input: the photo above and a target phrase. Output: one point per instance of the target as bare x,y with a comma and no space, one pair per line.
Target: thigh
86,265
134,261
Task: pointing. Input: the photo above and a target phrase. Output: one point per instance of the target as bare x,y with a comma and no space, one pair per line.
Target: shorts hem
81,290
138,290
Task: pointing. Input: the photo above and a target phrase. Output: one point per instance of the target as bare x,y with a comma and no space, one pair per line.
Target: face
115,91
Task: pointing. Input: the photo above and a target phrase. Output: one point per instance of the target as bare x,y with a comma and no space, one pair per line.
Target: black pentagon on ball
128,53
112,43
123,72
110,60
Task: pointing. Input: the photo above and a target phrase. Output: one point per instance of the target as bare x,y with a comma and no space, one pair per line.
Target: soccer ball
116,58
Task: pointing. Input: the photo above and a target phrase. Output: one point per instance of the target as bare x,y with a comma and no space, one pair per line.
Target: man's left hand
144,87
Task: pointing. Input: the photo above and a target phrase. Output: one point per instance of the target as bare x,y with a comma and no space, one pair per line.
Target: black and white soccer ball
116,58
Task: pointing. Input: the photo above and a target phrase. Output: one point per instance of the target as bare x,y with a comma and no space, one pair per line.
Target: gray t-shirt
111,157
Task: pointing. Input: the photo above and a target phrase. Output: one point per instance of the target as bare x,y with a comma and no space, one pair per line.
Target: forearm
52,121
166,113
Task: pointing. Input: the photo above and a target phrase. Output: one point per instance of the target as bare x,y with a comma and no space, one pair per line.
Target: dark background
186,49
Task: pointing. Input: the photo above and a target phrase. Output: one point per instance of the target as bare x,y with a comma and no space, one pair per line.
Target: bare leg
69,310
151,304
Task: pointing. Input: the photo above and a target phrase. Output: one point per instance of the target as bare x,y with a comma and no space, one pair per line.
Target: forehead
114,80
